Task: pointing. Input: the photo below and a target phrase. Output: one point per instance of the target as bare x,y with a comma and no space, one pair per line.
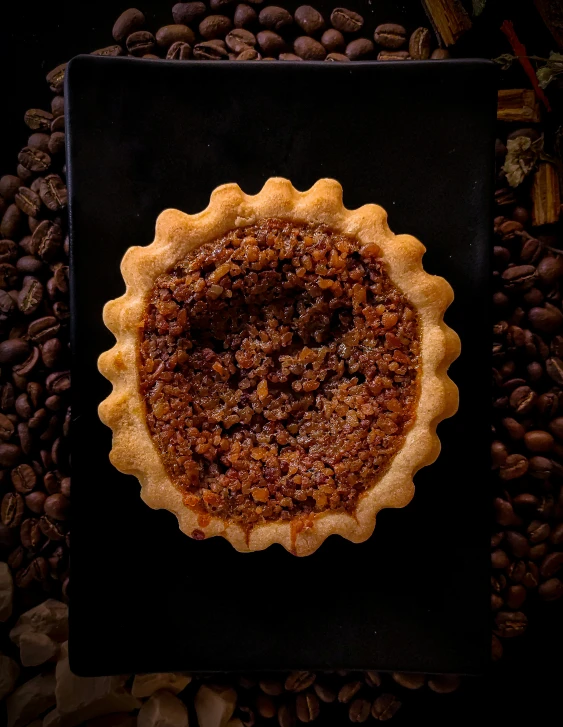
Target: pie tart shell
177,234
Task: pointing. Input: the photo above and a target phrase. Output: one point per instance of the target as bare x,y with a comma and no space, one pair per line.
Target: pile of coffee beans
527,418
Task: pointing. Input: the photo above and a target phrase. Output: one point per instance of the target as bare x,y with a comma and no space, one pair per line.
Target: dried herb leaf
521,158
505,61
478,7
553,67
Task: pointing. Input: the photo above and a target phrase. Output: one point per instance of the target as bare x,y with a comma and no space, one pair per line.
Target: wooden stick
518,104
546,200
449,19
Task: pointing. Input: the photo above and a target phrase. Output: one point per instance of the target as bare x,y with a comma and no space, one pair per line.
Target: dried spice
521,158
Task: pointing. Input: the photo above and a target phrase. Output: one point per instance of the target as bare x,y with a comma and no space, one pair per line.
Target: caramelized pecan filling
278,365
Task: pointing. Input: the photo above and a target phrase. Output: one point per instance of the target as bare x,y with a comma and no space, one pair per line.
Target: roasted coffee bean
215,26
444,683
8,277
286,715
34,160
385,707
309,49
30,533
359,710
7,397
61,311
547,319
244,16
390,36
551,564
499,559
128,22
58,382
274,18
393,55
519,277
28,201
35,501
420,44
24,577
57,506
38,420
11,222
40,141
6,428
57,143
23,406
551,590
30,296
110,51
309,19
538,552
58,124
7,541
540,467
265,706
409,681
538,441
337,58
217,5
13,351
239,40
523,399
333,41
298,681
440,54
307,707
346,21
554,368
271,687
46,240
53,192
17,556
360,49
515,466
517,543
29,265
12,509
186,13
514,429
51,529
9,185
25,174
38,120
349,691
179,52
26,440
271,44
140,43
289,57
169,34
538,531
210,51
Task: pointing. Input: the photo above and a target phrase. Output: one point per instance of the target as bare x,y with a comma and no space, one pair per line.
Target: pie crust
133,450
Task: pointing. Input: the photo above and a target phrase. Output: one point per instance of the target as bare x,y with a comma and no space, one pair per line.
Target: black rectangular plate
416,138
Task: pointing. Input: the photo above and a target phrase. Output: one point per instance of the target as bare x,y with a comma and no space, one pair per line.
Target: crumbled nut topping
278,365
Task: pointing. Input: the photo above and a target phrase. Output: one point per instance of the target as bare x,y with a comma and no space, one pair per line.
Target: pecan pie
280,367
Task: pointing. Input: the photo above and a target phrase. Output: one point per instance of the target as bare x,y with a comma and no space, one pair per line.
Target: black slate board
416,138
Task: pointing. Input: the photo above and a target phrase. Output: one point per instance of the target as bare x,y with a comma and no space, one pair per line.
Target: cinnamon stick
449,18
518,104
546,200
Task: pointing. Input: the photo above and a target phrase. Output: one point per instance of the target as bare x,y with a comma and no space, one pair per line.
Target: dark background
35,36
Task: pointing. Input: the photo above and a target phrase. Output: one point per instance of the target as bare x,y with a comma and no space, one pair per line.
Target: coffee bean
298,681
420,44
186,13
169,34
409,681
179,52
346,21
24,577
540,467
538,531
440,54
12,509
11,222
538,441
444,683
46,240
209,51
239,40
6,428
286,715
216,5
58,124
34,159
38,120
551,590
26,367
271,44
53,192
499,559
523,399
547,319
8,251
390,36
551,564
333,41
289,57
514,429
34,502
309,19
307,707
9,185
23,406
337,58
244,16
393,55
265,706
57,143
140,42
28,201
127,23
110,51
554,368
30,533
57,506
51,529
360,49
25,437
309,49
215,26
58,382
61,310
516,466
385,707
274,18
13,351
40,141
517,543
30,296
349,691
24,174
